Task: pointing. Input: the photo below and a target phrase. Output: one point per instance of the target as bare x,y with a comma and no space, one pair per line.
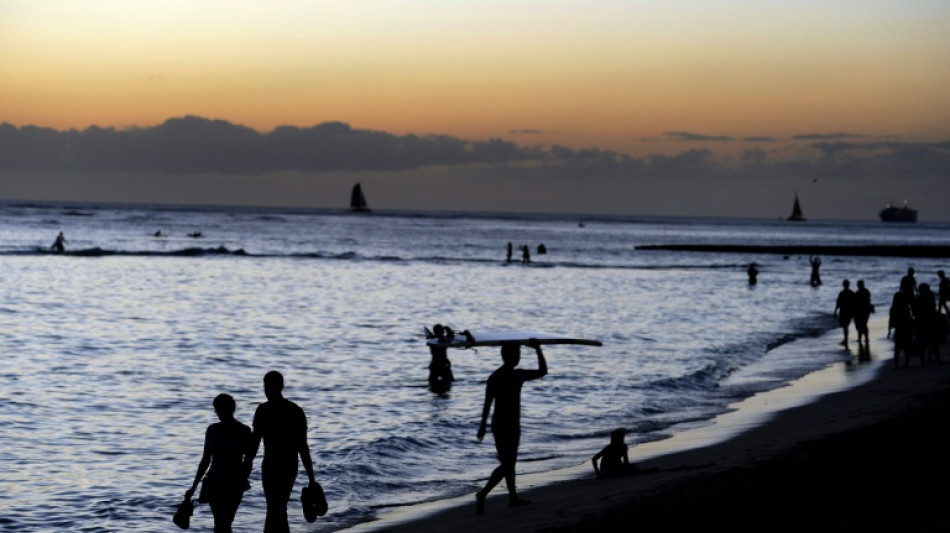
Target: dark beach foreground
874,456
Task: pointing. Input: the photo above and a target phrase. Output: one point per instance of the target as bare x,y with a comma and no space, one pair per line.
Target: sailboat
358,201
796,215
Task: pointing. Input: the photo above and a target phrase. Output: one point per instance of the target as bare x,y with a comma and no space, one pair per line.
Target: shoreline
840,398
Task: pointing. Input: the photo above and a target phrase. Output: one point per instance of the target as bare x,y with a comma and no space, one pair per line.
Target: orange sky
592,73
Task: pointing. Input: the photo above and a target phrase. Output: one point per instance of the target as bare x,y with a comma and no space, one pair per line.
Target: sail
357,200
796,211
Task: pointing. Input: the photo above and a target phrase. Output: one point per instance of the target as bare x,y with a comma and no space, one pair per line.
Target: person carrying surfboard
504,390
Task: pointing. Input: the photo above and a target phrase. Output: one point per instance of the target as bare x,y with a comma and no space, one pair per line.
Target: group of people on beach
228,458
918,320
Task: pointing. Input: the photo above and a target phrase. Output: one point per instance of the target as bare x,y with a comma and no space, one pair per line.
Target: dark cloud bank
494,171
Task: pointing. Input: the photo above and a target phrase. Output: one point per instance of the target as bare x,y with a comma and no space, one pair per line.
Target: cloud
198,145
687,136
826,136
760,139
526,132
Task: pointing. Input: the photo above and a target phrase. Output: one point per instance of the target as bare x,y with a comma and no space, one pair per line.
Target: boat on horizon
358,201
796,215
902,213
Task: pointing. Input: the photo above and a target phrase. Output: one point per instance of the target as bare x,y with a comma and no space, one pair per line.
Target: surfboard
474,339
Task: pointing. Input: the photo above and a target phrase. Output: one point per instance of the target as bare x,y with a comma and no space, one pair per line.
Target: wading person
282,425
226,444
504,390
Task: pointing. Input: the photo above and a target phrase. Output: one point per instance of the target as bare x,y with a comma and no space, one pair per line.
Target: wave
196,251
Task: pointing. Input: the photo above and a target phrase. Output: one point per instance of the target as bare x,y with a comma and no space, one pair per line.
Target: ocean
114,349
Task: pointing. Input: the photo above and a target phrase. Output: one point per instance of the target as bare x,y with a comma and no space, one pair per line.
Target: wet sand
874,454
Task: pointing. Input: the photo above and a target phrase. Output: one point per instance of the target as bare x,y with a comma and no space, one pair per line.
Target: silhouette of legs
506,443
278,483
224,509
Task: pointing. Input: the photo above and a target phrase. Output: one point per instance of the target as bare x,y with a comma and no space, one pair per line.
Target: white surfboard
473,339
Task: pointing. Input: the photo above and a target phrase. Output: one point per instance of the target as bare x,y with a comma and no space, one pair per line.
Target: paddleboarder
504,390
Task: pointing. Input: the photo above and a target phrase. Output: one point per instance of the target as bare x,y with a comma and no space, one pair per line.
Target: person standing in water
504,390
226,446
59,243
844,309
753,273
440,368
282,425
815,263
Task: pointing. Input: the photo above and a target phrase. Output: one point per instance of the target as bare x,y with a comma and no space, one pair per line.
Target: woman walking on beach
504,390
226,446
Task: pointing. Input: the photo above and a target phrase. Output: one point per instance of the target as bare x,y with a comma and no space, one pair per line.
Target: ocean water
113,351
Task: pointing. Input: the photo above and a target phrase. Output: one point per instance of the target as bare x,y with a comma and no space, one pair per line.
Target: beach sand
856,445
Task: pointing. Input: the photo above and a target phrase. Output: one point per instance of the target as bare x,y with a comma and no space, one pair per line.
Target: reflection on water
111,362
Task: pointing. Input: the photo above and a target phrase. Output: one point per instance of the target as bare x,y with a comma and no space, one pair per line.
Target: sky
724,108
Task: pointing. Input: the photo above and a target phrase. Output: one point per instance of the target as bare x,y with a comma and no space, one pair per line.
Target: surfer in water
440,368
58,244
504,390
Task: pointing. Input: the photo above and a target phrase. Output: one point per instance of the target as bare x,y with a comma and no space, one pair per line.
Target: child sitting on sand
613,458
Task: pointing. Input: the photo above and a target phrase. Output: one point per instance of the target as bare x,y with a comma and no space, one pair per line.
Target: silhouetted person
282,425
862,311
901,322
59,244
542,249
504,390
440,368
943,292
844,309
925,323
227,444
815,262
508,255
753,273
909,285
525,254
613,458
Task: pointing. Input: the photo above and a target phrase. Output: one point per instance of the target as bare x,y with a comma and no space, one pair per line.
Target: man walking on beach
844,309
282,425
504,389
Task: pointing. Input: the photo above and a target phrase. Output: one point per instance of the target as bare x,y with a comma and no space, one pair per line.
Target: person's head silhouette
511,354
224,406
273,385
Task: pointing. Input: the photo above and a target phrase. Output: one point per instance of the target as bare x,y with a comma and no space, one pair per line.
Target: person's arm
486,408
594,459
254,443
542,363
202,465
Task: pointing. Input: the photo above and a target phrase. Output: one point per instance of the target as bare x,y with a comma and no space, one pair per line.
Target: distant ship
903,213
796,215
358,201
